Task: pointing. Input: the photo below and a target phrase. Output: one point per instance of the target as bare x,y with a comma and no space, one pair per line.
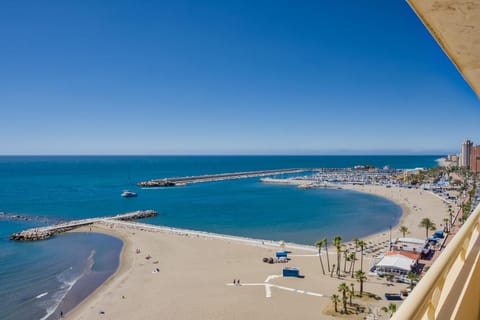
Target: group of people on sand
236,282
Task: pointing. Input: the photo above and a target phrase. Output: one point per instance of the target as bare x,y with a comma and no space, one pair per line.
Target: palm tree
350,293
403,230
333,269
446,220
392,308
361,244
352,259
355,240
337,241
428,225
325,243
343,288
319,244
335,299
361,277
412,276
345,259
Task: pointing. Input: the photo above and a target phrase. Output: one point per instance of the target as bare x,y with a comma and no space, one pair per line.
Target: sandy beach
196,272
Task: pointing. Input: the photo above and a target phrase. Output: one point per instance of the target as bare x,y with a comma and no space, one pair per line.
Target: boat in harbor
128,194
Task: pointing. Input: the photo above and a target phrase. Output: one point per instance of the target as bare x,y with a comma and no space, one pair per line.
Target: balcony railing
451,287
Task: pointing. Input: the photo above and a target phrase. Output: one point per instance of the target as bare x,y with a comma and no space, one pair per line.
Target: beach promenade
200,267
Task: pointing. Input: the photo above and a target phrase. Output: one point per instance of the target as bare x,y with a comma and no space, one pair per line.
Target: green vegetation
361,244
352,292
403,230
413,277
325,243
392,308
431,175
355,241
335,299
343,288
467,206
361,277
428,225
351,257
337,242
320,244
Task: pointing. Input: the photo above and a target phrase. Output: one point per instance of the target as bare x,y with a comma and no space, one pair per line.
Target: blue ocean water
72,187
36,277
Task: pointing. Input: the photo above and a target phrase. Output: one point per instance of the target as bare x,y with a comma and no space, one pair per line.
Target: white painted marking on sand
304,255
273,276
268,289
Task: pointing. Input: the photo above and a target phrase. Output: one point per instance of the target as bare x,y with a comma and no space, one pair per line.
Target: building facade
475,160
466,153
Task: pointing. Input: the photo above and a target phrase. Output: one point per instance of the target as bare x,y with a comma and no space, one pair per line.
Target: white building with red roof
397,263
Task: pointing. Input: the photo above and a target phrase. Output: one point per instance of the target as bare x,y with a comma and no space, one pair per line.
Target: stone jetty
43,233
181,181
24,217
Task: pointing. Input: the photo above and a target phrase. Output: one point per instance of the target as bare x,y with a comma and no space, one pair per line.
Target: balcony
451,288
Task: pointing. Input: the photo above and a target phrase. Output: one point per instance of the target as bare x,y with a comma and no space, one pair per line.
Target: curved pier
49,231
180,181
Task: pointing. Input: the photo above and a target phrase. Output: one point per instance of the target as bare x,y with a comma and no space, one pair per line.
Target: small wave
67,279
41,295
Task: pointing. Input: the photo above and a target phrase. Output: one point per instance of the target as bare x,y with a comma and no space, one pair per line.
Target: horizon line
219,154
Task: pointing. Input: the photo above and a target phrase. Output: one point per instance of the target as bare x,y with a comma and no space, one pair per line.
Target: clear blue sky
234,77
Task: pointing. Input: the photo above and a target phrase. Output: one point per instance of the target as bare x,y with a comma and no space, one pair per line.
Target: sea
40,279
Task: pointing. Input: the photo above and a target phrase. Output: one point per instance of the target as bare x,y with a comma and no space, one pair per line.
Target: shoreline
407,199
89,280
124,263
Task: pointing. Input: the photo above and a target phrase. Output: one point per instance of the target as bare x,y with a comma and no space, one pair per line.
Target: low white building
397,263
411,245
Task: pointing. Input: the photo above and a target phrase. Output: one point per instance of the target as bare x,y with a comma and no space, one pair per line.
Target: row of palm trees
348,256
351,257
347,292
426,223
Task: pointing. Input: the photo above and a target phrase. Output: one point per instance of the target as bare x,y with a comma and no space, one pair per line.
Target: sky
227,77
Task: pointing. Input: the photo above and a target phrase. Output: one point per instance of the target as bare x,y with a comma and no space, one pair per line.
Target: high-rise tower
466,153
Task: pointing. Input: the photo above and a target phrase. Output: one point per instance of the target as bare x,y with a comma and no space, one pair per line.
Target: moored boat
128,194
